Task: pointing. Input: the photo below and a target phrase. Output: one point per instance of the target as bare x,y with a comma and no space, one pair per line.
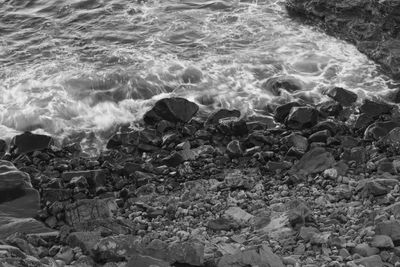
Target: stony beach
308,185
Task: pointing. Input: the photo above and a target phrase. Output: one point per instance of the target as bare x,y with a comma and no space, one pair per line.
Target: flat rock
261,257
10,226
28,142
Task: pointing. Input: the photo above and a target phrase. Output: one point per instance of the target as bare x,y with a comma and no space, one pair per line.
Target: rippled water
78,68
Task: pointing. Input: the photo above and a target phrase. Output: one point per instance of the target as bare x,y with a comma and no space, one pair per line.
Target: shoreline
319,189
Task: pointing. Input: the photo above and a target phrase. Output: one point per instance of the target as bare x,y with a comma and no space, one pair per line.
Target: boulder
283,111
29,142
214,117
342,96
173,109
374,109
260,256
302,117
314,161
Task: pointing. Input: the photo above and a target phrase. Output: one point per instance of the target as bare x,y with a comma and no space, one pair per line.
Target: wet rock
343,96
319,137
301,118
216,116
192,75
314,161
378,130
261,256
283,111
290,84
374,109
234,149
171,109
28,142
329,108
363,121
233,126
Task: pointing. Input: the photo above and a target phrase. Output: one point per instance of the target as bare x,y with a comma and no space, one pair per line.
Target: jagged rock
301,118
174,109
348,19
343,96
28,142
216,116
314,161
291,84
262,257
283,111
95,178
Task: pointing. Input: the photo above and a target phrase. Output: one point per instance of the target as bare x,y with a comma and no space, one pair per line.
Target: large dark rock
373,109
301,118
283,111
28,142
371,25
343,96
173,109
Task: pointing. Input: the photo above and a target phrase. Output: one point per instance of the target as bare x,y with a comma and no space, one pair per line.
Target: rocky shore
372,25
306,186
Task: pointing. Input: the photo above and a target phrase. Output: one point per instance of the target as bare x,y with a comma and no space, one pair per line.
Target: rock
28,142
393,137
283,111
302,117
191,253
18,198
192,75
65,254
374,109
84,240
262,257
238,215
237,178
222,224
174,109
314,161
343,96
216,116
95,178
307,233
372,261
376,186
10,225
233,126
378,130
382,241
365,250
234,149
319,137
297,141
290,84
329,108
389,228
138,260
84,213
380,41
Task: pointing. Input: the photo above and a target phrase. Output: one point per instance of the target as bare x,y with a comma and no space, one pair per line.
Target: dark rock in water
283,111
288,83
3,146
314,161
222,114
374,109
301,118
174,109
363,121
234,149
320,137
378,130
233,126
371,25
330,108
261,256
28,142
343,96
